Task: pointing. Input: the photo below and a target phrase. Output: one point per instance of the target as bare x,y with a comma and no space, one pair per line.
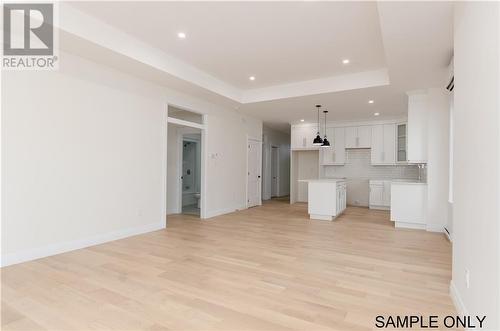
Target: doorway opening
191,174
275,166
186,162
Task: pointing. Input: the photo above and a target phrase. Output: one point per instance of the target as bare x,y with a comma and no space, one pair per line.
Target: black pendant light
326,143
318,141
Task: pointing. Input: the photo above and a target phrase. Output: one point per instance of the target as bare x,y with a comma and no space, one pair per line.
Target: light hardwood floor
266,268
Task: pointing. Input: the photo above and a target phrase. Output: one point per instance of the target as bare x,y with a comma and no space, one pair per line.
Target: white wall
84,157
307,163
282,140
476,165
437,157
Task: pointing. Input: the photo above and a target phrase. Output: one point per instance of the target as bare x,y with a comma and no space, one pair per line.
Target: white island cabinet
326,198
408,204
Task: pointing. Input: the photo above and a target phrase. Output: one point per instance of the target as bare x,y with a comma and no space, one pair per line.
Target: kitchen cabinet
417,127
358,136
401,142
376,194
326,198
341,197
302,136
409,204
335,155
380,194
383,144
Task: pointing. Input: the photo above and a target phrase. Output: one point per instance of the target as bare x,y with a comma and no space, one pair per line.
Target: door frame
204,156
277,171
259,141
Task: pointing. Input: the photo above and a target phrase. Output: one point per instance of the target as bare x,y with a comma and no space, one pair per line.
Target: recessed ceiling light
181,35
302,120
376,114
345,61
371,101
251,77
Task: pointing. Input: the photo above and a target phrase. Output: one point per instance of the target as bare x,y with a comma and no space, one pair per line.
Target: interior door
274,171
254,175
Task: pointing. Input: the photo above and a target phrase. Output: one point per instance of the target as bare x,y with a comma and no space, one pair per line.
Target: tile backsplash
358,171
358,165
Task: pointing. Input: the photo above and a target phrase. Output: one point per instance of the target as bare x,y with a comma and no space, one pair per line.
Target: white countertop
407,182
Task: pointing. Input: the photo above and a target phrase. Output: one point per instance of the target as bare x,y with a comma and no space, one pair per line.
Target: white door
254,176
274,171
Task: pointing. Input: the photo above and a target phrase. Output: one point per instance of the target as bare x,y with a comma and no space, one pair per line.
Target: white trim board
344,124
63,247
457,300
189,124
406,225
435,228
215,213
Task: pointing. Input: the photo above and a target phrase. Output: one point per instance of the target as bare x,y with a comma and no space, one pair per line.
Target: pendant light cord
318,107
325,111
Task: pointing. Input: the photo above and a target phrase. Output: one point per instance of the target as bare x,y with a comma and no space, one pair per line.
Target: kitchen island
409,204
326,198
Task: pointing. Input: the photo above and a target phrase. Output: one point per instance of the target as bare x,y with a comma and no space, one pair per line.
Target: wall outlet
467,278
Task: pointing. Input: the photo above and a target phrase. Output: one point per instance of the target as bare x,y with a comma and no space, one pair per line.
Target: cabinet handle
304,142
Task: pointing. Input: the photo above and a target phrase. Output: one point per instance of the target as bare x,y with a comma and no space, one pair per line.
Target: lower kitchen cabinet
408,204
380,194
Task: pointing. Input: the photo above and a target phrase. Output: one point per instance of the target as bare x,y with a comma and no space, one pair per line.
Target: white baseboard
377,207
457,300
214,213
63,247
321,217
406,225
435,228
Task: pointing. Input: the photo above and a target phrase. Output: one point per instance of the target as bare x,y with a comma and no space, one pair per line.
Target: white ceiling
342,106
277,42
294,49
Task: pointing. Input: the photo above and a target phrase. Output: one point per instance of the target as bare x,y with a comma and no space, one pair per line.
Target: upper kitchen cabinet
401,140
417,127
302,136
358,136
383,141
334,155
